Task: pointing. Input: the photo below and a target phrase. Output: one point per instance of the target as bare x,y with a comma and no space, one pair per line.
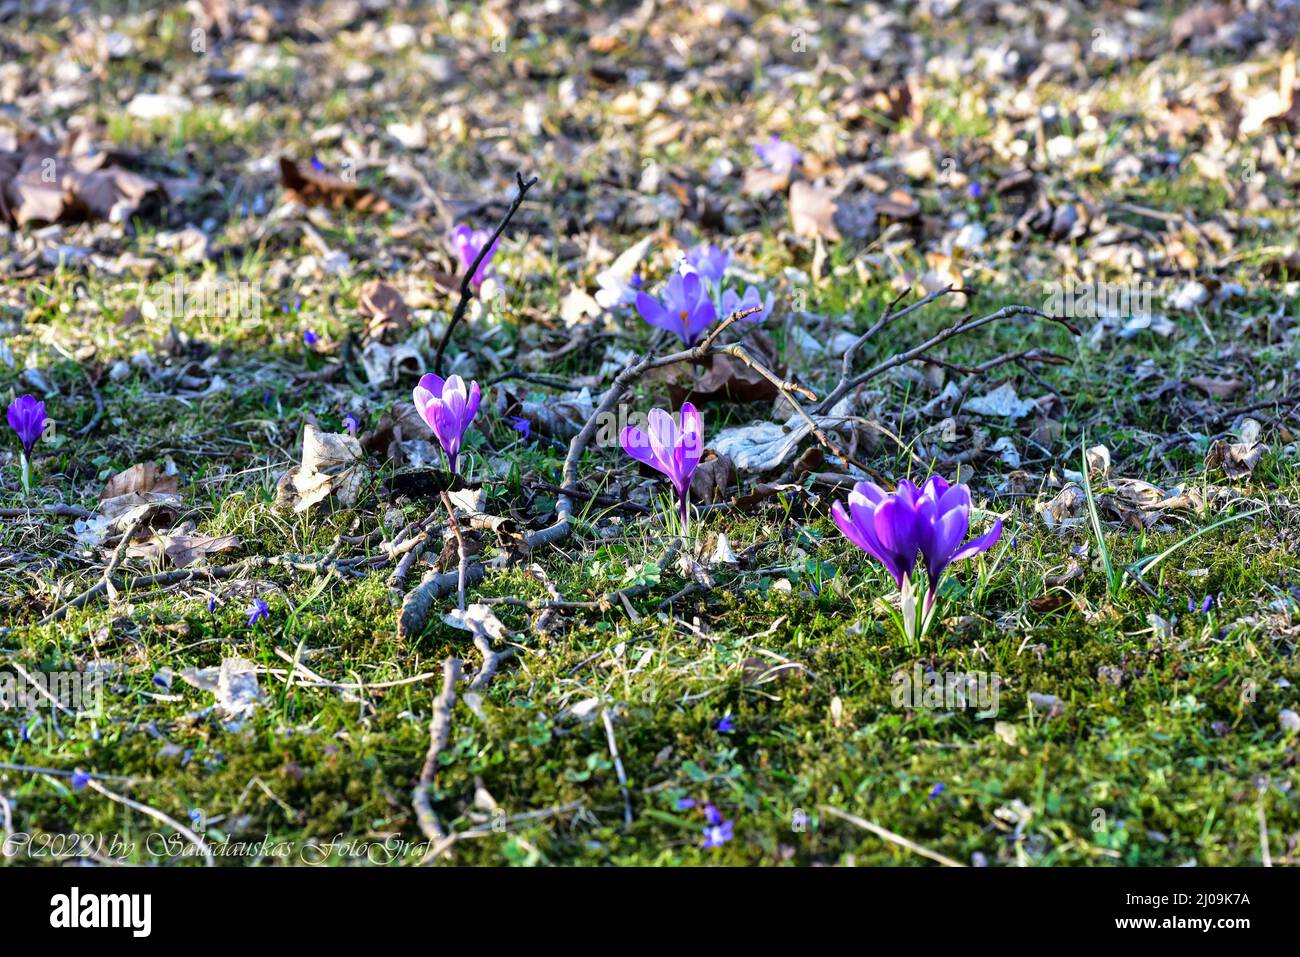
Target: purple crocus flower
672,449
27,418
447,408
686,309
710,261
467,242
893,527
259,610
733,302
781,158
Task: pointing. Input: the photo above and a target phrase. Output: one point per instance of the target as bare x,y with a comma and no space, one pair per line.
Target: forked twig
466,287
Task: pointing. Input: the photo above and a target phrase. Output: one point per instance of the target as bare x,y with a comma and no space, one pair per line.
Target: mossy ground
1180,762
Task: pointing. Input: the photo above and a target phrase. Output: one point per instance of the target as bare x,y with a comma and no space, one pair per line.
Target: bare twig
890,836
157,815
849,382
618,765
463,562
439,732
466,286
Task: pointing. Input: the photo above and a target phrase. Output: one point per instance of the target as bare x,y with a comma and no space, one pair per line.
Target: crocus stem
27,474
684,499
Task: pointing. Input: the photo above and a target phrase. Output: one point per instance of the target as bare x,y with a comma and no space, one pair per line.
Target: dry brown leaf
388,317
332,463
812,211
312,188
1218,388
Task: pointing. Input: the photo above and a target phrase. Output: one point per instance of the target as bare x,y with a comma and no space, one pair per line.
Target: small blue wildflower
258,611
212,604
685,804
79,780
317,165
725,725
718,832
522,426
936,790
1206,605
351,424
974,191
310,337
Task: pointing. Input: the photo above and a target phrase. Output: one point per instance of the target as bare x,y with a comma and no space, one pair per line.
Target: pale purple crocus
710,261
733,302
447,408
781,158
671,448
615,290
892,527
468,242
27,418
686,309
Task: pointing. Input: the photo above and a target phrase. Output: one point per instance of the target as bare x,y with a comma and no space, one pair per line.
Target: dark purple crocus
258,611
733,302
447,408
672,449
710,261
467,242
781,158
686,309
892,527
27,419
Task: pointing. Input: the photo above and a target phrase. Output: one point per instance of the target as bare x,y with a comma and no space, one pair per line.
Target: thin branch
466,287
890,836
439,733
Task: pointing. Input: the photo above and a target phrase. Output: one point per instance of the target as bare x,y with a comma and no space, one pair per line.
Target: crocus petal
432,383
652,312
636,444
983,543
690,446
941,539
663,439
471,405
